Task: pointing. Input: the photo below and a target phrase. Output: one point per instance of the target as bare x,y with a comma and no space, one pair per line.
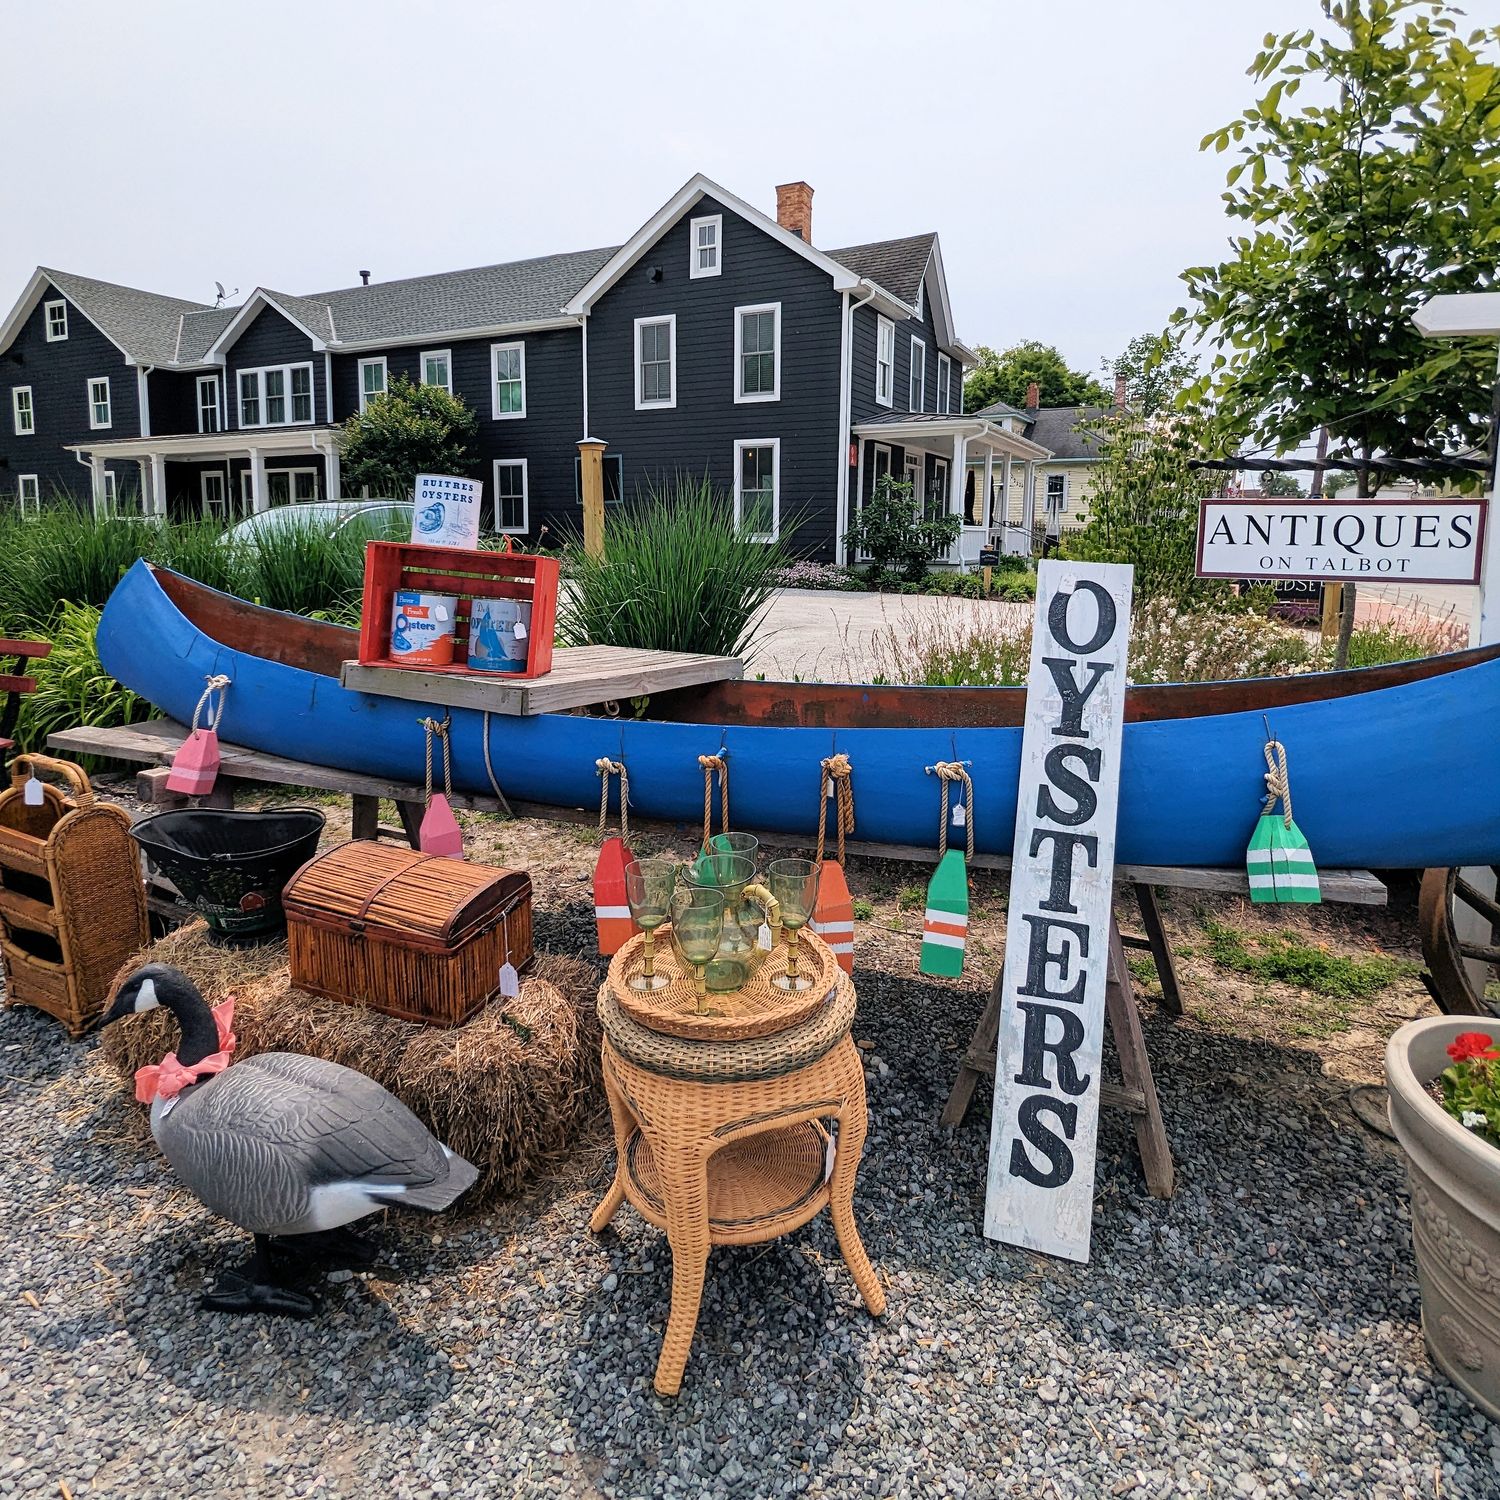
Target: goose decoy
280,1144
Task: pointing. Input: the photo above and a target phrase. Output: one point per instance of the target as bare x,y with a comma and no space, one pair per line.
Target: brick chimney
794,208
1120,392
1033,396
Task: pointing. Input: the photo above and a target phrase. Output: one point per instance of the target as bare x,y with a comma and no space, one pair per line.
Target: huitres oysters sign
1389,541
1041,1177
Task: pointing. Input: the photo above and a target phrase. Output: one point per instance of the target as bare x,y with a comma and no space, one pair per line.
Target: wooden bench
16,683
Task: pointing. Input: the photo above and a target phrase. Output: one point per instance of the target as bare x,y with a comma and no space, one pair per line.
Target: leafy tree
409,430
1004,376
1143,508
894,535
1378,188
1274,483
1156,370
1336,481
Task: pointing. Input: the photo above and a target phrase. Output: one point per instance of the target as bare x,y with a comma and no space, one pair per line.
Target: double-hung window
655,362
508,368
510,494
885,361
28,492
437,369
706,255
1057,494
99,411
208,403
372,377
23,413
757,352
111,489
57,322
945,384
918,375
757,488
276,396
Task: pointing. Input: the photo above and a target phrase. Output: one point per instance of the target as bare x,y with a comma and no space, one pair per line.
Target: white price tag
828,786
521,631
960,817
510,981
31,793
763,938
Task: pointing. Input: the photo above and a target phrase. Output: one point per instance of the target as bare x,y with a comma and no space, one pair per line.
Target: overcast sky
1053,144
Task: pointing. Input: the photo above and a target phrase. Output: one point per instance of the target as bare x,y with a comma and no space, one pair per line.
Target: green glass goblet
794,883
697,926
728,874
648,889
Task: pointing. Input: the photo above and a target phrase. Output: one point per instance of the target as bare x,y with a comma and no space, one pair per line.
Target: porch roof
202,446
932,426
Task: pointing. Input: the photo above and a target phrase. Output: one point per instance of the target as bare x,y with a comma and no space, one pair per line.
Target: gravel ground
1256,1336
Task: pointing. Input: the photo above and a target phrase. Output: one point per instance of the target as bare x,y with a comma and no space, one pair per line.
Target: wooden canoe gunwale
320,647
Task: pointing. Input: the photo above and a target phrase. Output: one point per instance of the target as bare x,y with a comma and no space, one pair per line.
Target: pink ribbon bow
168,1078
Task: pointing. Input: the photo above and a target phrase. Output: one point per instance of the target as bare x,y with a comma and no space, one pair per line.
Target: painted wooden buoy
195,767
945,922
440,833
833,917
1279,861
613,922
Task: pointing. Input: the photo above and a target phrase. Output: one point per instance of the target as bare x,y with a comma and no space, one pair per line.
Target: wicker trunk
409,934
72,902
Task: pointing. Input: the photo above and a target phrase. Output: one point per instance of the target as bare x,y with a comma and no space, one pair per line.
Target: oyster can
499,634
422,629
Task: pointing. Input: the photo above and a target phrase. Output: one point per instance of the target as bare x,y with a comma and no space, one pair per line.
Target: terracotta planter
1455,1210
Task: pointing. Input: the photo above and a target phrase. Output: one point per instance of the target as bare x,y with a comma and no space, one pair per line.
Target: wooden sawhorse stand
1136,1093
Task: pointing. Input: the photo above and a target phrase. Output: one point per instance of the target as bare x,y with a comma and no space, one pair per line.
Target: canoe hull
1404,776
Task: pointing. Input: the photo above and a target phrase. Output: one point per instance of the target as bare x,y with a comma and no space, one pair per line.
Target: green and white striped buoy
1279,861
945,921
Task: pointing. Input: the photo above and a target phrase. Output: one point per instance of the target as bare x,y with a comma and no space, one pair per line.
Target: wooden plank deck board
580,675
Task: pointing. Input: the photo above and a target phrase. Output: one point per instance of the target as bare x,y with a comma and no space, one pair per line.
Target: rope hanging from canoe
1278,787
216,684
949,771
710,764
837,784
439,728
490,769
607,768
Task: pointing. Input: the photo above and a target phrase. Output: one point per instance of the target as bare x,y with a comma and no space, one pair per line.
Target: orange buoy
611,909
833,918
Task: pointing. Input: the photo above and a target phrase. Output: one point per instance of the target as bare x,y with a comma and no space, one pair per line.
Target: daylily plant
1471,1086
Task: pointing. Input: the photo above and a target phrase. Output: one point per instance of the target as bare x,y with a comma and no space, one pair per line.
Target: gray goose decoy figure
281,1144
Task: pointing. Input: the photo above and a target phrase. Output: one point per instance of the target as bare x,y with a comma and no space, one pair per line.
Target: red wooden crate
392,567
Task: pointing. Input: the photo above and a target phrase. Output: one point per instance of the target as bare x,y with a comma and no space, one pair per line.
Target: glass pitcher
746,907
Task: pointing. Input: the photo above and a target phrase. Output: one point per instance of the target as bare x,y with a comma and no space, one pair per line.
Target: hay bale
507,1090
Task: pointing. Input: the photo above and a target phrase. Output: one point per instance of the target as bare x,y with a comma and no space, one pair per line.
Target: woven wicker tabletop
758,1009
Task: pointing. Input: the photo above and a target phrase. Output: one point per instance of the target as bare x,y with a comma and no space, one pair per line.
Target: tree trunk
1346,611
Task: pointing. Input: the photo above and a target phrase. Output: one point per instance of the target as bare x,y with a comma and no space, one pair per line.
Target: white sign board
1389,541
447,511
1041,1177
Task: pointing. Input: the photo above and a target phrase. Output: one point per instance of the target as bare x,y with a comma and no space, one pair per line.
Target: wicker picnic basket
72,902
409,934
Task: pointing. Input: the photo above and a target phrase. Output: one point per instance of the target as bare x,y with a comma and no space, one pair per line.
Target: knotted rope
710,764
216,684
949,771
607,768
1278,788
438,727
837,783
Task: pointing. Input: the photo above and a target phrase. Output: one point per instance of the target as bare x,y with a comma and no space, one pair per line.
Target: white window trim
495,350
670,319
911,374
444,354
741,396
263,401
35,498
921,288
774,444
55,338
223,479
247,477
213,382
16,392
694,272
1046,484
385,378
108,403
944,383
885,328
514,463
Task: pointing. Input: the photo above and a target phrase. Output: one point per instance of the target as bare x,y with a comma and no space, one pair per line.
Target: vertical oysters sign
1041,1173
447,511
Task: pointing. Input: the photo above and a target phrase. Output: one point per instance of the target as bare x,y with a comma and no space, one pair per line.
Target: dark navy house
716,340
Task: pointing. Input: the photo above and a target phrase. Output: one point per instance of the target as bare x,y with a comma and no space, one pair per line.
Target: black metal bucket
232,866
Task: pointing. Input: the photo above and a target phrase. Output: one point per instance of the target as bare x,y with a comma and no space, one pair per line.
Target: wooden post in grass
591,459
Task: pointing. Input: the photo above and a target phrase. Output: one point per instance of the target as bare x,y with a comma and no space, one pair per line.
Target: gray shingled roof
1058,428
199,330
897,265
1000,409
142,323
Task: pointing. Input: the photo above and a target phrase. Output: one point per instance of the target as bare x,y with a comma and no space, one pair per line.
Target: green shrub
408,430
1405,640
64,553
675,576
890,530
949,648
201,550
307,569
1212,644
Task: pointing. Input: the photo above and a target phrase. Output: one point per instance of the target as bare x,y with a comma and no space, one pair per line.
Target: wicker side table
735,1162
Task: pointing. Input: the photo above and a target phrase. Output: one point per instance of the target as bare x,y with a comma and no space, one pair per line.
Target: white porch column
260,499
1005,494
335,481
956,489
987,505
1028,502
96,482
158,485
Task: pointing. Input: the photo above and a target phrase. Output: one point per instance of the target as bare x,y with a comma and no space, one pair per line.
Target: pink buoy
195,767
440,833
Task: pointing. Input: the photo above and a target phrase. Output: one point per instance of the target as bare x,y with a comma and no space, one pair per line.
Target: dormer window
57,321
707,251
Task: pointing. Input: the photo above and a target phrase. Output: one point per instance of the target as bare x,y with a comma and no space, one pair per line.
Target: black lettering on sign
1035,1047
1040,953
1073,696
1057,618
1046,1140
1085,799
1060,892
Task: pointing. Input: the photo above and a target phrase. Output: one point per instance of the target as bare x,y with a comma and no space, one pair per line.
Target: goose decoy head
156,985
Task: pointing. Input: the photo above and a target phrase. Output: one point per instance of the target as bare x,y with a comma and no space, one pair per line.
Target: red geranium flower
1468,1045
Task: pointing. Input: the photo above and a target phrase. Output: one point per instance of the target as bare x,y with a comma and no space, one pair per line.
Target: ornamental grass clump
1471,1084
675,576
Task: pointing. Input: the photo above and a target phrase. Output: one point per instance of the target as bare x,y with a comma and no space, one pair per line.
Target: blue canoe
1391,766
